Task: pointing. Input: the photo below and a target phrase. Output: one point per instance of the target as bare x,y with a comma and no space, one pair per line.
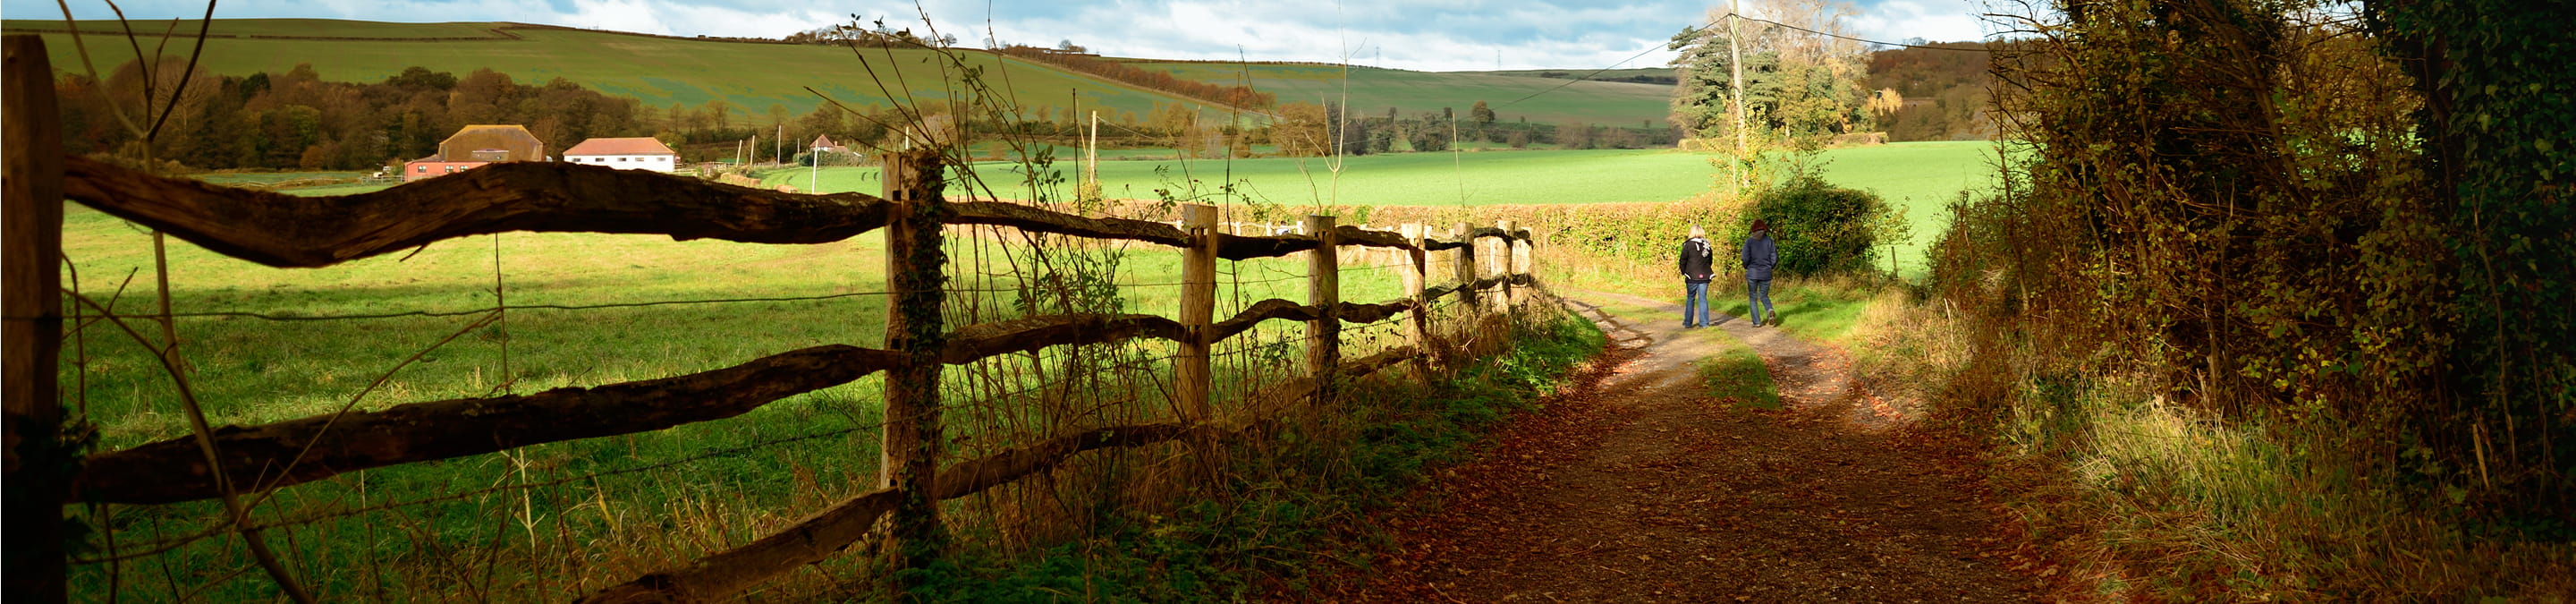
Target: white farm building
631,153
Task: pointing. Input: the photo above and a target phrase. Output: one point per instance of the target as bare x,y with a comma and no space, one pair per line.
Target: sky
1423,35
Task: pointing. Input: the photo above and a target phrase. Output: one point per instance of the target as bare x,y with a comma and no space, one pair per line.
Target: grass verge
2144,500
1738,378
1288,502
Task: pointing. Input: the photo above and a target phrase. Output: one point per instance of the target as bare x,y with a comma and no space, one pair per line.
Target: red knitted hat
1761,225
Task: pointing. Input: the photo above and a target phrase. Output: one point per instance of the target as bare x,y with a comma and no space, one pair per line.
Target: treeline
1309,129
1638,78
1944,90
2329,229
1243,97
850,34
297,120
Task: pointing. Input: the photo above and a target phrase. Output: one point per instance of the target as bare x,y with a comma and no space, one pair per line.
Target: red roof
634,145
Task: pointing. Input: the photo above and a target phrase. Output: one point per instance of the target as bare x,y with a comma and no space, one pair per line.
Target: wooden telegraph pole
1735,63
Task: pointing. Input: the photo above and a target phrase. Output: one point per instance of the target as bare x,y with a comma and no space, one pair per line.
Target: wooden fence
286,231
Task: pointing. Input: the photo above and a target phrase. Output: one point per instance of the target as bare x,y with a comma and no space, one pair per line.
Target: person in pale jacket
1696,264
1760,255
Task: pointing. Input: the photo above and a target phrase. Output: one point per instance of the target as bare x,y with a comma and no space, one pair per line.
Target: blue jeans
1695,305
1760,292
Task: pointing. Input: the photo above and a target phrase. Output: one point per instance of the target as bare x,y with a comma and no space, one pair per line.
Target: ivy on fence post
40,463
916,271
1513,261
1417,322
1466,269
1324,292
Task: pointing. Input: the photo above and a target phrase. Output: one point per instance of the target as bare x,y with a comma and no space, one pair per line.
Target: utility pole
1735,63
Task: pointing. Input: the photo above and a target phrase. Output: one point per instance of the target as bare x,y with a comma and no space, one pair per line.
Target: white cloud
1933,20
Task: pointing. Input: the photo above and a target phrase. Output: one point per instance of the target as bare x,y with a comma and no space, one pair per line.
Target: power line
1588,76
1863,39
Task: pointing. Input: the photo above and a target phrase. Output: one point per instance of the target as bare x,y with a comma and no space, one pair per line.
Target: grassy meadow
1920,178
606,508
1371,90
660,71
663,71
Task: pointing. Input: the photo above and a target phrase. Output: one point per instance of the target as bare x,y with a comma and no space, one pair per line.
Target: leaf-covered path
1637,486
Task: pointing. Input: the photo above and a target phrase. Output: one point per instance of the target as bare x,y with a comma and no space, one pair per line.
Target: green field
661,71
792,455
1921,178
1372,90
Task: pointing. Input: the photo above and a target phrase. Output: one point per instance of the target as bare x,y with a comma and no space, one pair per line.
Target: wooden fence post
1324,289
1515,261
1417,326
1191,377
1466,269
1501,259
39,469
916,271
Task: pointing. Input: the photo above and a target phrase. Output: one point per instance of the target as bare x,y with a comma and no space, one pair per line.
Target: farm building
475,145
627,153
824,144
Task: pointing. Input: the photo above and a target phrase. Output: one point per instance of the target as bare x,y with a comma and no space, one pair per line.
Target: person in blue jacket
1697,260
1760,255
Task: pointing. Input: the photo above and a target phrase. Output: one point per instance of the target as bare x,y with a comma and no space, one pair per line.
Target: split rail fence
285,231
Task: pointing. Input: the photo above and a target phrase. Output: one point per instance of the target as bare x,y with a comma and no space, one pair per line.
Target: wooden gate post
1466,269
1515,261
1324,290
1417,324
1191,377
31,237
916,271
1521,261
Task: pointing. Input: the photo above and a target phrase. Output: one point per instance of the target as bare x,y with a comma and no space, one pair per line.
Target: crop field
586,309
660,71
1372,90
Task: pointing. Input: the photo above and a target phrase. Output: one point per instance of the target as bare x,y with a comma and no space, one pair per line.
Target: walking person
1760,254
1697,260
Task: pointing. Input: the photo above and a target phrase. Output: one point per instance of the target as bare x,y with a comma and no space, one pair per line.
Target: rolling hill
660,70
752,75
1372,90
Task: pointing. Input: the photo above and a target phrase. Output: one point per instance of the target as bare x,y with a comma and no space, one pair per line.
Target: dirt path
1638,487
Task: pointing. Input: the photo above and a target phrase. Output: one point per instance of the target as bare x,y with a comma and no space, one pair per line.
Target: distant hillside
1945,91
1372,90
660,70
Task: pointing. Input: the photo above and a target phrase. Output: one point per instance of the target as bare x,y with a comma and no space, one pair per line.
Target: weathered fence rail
288,231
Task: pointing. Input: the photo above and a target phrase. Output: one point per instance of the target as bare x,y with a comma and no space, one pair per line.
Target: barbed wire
164,546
